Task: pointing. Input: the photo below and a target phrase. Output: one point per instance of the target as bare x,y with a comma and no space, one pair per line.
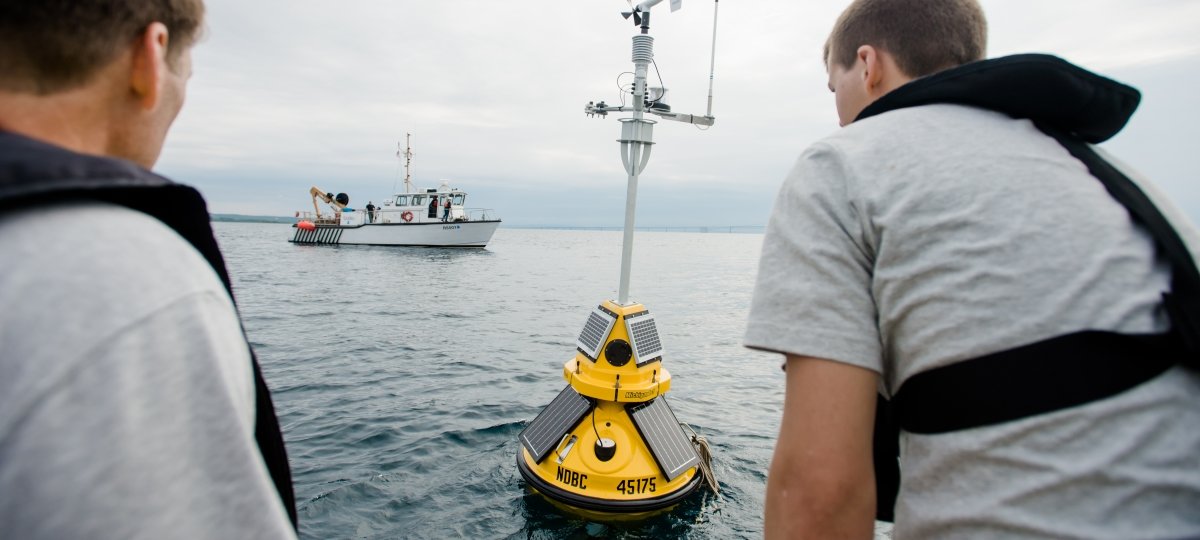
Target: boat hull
453,234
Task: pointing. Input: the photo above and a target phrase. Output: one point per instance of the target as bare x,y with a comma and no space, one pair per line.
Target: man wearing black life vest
131,405
960,247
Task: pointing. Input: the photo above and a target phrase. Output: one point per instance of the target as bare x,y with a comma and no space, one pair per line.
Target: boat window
402,200
458,199
418,200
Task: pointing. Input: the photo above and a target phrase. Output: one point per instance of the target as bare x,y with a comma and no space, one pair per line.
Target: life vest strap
1053,374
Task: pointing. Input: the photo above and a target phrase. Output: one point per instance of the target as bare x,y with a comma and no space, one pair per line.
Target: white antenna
397,167
712,63
637,132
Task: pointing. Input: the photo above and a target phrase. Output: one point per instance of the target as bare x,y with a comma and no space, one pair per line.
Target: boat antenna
712,62
398,165
637,132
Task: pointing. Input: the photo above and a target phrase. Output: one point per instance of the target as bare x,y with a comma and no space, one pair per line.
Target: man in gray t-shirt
931,235
130,406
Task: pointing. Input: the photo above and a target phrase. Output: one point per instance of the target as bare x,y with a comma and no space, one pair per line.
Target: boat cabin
423,207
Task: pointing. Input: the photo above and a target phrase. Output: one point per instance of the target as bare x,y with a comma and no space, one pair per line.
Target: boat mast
407,162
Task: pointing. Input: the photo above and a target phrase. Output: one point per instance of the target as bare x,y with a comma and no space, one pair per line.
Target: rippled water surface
403,375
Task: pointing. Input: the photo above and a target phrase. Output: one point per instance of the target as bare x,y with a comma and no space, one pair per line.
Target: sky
289,94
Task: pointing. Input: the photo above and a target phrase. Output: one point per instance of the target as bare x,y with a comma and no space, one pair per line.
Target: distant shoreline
251,219
751,229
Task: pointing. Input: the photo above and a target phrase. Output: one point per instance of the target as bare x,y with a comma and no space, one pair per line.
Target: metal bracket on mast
637,136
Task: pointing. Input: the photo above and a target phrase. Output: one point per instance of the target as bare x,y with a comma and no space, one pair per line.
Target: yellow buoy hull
609,443
629,482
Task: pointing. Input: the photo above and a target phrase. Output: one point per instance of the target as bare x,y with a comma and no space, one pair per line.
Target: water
402,375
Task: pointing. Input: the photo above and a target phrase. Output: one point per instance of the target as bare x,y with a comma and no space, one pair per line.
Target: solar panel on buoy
559,417
643,335
660,429
595,331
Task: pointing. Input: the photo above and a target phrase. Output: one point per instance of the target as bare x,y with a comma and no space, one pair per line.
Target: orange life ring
406,216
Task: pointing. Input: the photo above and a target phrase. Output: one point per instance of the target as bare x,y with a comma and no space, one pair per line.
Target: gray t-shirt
926,236
126,391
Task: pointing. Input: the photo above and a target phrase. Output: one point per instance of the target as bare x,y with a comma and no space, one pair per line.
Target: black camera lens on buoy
618,352
605,449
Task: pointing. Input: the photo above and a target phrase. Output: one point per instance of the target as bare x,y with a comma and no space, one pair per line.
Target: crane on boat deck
337,202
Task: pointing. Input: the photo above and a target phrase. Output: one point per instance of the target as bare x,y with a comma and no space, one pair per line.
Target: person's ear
872,74
149,65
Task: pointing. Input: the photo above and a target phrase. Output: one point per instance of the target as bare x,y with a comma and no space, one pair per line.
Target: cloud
1103,35
288,94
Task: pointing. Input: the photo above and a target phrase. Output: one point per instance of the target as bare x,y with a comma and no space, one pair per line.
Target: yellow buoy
609,443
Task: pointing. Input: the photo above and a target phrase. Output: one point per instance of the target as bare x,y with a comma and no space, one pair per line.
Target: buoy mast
637,132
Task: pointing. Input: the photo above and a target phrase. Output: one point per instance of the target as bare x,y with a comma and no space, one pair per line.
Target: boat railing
328,218
349,217
481,214
359,217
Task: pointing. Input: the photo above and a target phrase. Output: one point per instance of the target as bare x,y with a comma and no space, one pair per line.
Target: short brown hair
47,46
924,36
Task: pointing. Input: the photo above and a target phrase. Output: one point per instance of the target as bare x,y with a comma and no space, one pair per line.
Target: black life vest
35,173
1076,108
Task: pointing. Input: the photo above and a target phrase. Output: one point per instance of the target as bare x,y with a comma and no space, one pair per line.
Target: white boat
413,218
